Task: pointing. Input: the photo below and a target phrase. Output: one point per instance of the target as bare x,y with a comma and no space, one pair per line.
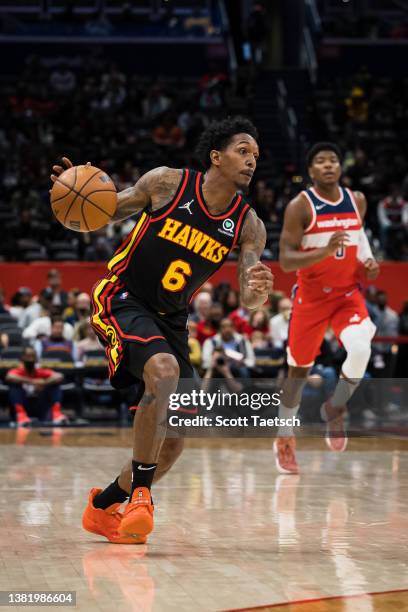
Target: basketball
84,198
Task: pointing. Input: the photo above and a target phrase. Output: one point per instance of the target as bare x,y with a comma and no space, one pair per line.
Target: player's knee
360,351
161,373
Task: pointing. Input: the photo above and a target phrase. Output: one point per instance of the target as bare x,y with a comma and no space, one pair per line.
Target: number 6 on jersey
174,278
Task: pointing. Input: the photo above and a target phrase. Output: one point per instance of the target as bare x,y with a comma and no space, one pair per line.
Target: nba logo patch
124,295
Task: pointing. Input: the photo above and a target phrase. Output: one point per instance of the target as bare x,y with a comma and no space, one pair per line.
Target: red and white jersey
339,271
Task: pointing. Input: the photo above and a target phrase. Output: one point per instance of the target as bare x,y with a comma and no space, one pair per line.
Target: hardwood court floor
231,534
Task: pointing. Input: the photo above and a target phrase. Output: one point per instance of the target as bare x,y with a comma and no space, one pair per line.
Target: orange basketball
84,198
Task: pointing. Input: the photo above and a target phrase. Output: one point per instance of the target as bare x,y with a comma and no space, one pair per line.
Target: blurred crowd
89,110
226,341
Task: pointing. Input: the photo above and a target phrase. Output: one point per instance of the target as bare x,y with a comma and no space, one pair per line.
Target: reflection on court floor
230,534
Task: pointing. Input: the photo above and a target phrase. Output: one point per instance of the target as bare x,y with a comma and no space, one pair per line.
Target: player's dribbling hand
372,269
260,279
60,169
337,241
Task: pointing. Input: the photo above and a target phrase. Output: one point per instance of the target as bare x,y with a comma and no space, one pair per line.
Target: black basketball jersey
171,252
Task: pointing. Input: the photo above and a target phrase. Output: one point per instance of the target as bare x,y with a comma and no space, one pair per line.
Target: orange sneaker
106,522
285,458
58,417
22,418
336,435
138,516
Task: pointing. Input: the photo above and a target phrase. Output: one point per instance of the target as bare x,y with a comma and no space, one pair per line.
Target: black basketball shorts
131,333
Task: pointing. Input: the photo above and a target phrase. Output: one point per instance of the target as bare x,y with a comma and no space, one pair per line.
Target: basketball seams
82,214
85,198
72,203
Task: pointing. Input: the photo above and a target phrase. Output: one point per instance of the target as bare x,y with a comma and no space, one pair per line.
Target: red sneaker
22,418
106,522
336,435
57,417
138,515
285,458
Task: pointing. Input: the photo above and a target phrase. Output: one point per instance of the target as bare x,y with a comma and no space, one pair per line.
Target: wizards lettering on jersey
193,239
339,270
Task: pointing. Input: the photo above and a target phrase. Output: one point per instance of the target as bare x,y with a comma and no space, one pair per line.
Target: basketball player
188,223
324,240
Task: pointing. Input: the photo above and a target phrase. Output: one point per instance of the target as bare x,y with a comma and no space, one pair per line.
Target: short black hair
322,146
219,134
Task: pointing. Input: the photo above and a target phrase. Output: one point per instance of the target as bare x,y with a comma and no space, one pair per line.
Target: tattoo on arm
252,243
155,188
147,399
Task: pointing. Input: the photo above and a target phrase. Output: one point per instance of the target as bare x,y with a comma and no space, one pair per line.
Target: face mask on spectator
29,365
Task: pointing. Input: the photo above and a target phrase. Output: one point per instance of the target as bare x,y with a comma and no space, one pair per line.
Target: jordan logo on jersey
187,205
193,239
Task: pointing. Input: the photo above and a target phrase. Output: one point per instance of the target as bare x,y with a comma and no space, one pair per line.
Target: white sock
286,431
343,391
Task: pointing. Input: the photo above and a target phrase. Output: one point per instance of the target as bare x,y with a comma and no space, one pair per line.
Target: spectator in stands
88,340
155,102
20,301
25,229
167,133
206,328
361,172
56,342
371,303
240,318
99,250
71,299
59,296
41,328
269,360
279,324
387,325
201,304
258,321
392,214
232,350
38,309
82,311
230,301
63,80
357,106
35,392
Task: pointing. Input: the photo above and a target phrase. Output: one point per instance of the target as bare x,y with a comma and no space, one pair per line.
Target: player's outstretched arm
255,279
296,220
157,187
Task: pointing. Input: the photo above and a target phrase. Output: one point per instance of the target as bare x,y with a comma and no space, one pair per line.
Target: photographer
220,368
228,353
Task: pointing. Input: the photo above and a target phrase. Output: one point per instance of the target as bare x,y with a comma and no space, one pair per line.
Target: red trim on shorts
176,199
229,212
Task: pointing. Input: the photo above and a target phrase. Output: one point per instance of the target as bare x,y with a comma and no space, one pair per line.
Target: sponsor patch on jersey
227,227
